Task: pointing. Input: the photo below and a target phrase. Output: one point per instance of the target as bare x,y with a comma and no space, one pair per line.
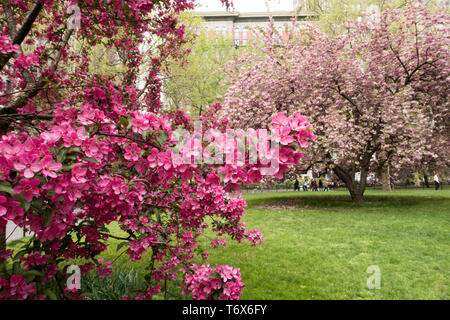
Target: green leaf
2,268
47,217
20,254
50,294
90,160
162,138
68,167
30,275
75,150
146,133
39,205
71,157
61,156
16,267
7,189
125,122
87,295
26,206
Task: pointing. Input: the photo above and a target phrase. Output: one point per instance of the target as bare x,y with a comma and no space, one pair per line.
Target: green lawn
319,245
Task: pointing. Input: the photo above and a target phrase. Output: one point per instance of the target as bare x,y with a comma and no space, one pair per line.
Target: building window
237,41
217,34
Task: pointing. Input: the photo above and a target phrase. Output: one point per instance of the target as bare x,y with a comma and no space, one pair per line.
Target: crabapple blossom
80,150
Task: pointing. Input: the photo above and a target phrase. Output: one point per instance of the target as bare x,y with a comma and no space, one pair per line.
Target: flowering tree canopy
376,94
81,150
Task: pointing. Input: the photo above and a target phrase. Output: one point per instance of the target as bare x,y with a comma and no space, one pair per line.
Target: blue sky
246,5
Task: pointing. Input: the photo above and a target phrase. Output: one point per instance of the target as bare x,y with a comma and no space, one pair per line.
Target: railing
290,187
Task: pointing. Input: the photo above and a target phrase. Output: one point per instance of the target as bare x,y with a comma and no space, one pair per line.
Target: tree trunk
425,179
356,189
357,195
386,177
3,130
416,180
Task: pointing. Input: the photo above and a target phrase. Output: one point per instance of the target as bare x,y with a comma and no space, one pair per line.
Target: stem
2,240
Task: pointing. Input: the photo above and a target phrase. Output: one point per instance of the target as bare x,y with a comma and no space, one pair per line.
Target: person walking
305,185
321,185
296,185
437,184
314,185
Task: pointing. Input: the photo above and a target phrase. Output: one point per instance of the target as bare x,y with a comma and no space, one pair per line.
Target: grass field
318,245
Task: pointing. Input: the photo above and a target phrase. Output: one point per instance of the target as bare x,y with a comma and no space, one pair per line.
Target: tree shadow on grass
342,202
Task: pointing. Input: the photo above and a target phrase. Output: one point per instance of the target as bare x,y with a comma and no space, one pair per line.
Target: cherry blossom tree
80,150
376,94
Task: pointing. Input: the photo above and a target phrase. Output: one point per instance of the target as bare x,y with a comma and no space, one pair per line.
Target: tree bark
425,179
3,130
357,195
356,189
2,239
416,180
386,177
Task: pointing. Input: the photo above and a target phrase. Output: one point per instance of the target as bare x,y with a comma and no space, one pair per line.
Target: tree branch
19,35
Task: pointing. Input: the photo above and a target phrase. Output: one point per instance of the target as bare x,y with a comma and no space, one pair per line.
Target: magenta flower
153,158
29,188
78,174
140,122
5,167
280,119
12,151
3,209
132,152
29,164
48,166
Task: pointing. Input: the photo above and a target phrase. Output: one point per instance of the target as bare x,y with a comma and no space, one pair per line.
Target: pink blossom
29,188
48,166
132,152
78,174
28,163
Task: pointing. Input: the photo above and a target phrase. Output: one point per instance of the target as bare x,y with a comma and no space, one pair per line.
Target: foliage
198,82
334,14
114,287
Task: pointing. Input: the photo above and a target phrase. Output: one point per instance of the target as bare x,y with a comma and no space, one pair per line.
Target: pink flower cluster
16,288
254,237
206,283
6,46
104,269
99,151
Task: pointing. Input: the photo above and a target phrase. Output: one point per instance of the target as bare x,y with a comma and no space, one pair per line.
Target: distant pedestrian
437,184
321,185
314,185
326,185
296,185
305,185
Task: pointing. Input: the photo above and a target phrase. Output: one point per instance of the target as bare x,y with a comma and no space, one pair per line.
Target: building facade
240,27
